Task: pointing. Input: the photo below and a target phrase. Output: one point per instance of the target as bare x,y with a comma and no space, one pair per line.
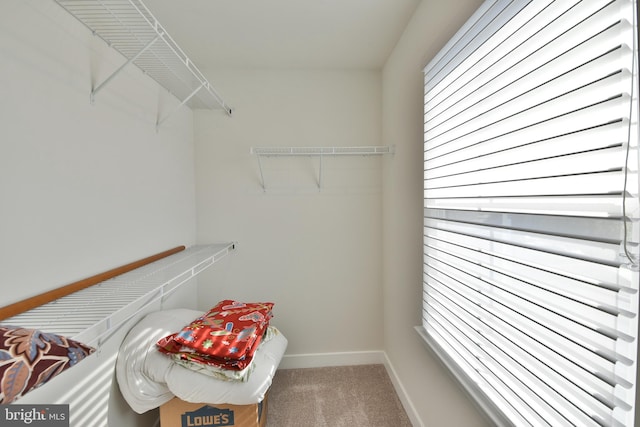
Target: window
531,210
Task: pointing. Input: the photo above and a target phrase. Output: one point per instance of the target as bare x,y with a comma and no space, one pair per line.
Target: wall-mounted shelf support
129,27
95,90
321,152
160,121
320,174
261,173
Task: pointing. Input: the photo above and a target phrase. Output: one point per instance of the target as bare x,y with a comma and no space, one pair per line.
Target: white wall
316,254
437,400
83,188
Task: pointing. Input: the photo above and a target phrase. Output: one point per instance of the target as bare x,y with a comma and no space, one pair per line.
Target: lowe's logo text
208,416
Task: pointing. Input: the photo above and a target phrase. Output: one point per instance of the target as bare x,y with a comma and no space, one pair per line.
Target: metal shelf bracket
95,90
321,152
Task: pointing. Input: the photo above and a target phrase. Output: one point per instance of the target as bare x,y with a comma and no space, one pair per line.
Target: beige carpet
345,396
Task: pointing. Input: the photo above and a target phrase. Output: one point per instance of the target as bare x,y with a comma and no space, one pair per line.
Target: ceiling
285,33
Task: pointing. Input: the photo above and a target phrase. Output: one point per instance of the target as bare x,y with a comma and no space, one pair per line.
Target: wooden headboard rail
41,299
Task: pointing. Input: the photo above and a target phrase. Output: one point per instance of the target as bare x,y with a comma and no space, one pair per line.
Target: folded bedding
147,378
207,365
225,337
231,330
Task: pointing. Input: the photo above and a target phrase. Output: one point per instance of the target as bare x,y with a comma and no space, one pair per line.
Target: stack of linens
222,342
147,378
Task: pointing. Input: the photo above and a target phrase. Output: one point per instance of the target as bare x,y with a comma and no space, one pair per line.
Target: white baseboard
402,394
319,360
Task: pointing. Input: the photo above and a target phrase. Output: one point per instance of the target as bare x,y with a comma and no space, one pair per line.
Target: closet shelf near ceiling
129,28
93,314
322,151
370,150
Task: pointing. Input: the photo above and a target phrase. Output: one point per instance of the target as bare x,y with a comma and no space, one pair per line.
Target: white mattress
148,379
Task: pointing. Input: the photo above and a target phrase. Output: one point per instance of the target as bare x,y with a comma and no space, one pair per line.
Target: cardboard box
178,413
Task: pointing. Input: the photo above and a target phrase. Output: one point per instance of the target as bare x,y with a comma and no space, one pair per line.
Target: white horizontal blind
531,209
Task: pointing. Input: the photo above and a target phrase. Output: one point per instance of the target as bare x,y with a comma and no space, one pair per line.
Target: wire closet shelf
131,29
93,314
321,152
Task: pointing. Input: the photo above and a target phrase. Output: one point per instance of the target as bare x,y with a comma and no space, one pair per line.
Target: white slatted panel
531,210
